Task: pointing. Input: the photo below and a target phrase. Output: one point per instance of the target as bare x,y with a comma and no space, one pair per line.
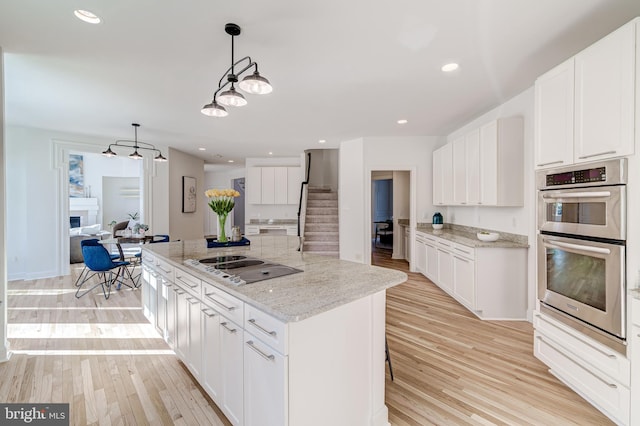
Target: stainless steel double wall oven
581,247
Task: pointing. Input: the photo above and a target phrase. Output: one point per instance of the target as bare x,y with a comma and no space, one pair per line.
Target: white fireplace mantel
86,208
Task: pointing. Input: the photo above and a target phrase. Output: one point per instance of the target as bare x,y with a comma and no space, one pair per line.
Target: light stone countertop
324,284
467,236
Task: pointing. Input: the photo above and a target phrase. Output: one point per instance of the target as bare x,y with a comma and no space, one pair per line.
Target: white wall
516,220
324,168
354,232
33,210
4,343
266,211
185,226
219,179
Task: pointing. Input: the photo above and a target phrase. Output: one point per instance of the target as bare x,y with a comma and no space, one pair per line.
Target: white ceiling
340,69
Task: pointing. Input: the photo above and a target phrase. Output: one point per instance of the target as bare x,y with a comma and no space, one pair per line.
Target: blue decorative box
213,242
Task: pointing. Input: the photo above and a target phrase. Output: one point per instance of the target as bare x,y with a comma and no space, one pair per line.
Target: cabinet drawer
584,349
608,395
188,282
165,269
223,302
266,328
464,251
444,244
251,230
635,311
148,258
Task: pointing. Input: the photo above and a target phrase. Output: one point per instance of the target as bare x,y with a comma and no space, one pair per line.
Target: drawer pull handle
549,163
228,308
259,352
187,282
208,312
166,271
230,330
259,327
192,300
178,291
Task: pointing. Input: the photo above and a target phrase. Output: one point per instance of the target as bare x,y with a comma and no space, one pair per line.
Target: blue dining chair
98,260
90,242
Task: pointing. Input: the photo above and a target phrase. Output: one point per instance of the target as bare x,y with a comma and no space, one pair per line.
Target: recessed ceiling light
86,16
270,153
229,161
202,149
321,141
403,121
450,67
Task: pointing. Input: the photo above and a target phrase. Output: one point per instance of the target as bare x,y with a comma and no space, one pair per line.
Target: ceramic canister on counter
437,219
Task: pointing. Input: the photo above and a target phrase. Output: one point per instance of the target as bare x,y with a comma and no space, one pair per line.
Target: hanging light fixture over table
254,83
136,145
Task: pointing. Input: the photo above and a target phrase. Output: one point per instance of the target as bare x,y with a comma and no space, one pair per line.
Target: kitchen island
302,349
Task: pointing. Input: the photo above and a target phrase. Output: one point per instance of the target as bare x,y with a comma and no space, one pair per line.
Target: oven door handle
590,249
595,194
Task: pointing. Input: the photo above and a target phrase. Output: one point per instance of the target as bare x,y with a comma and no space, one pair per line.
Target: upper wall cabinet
482,168
585,107
273,185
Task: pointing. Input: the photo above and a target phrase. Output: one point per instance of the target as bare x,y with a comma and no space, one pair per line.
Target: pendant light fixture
253,83
136,146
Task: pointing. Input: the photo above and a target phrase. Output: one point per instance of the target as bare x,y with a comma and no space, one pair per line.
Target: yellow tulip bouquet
222,202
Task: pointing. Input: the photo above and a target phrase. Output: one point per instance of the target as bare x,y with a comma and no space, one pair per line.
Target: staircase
321,222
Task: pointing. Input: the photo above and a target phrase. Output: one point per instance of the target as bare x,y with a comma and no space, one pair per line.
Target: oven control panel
596,174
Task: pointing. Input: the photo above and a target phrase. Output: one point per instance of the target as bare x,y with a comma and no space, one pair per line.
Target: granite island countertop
324,284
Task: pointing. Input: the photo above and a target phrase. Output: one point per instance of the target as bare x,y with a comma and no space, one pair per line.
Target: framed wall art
188,194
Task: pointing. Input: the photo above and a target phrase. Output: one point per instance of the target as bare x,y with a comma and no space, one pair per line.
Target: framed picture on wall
188,194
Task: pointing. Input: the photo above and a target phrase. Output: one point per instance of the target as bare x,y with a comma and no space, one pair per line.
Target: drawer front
148,258
223,302
251,230
608,395
165,269
444,244
188,282
292,230
582,348
635,311
266,328
464,251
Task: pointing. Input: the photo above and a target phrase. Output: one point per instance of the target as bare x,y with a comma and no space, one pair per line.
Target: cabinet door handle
259,352
228,308
264,330
230,330
462,250
549,163
606,382
582,157
208,312
461,258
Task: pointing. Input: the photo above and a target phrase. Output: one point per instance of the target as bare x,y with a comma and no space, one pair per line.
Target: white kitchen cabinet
170,331
231,355
253,187
436,164
502,162
268,185
273,185
182,324
431,270
265,379
464,275
486,166
445,266
212,353
421,253
165,277
596,372
605,97
459,171
252,230
553,117
472,166
294,179
194,344
585,107
407,244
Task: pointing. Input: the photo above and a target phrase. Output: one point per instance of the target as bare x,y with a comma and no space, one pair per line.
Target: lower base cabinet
265,389
231,356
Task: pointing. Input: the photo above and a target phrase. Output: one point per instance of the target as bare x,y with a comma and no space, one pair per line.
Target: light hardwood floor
452,368
107,361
